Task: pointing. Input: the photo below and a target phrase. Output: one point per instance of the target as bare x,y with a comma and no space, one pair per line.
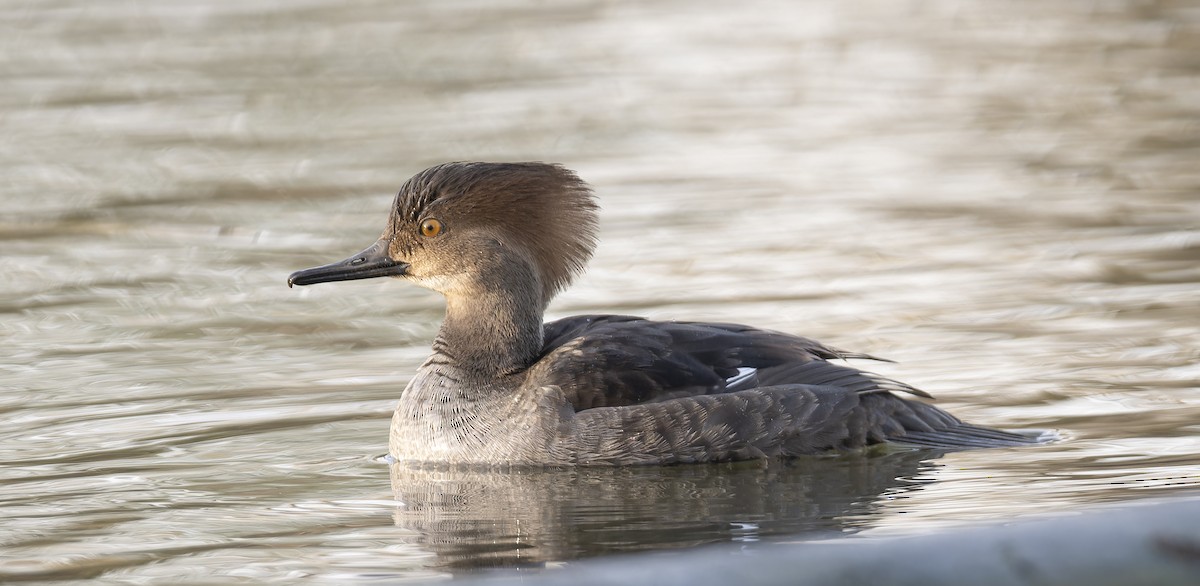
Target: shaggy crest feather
543,209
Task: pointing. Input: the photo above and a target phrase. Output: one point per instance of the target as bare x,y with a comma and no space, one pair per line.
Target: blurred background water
1003,197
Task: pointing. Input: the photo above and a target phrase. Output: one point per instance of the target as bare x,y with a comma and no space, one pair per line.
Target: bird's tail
922,425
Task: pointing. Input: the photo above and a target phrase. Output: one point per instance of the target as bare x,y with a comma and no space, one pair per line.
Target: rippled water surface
1004,198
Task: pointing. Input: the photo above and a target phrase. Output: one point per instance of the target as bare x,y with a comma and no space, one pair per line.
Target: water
1005,199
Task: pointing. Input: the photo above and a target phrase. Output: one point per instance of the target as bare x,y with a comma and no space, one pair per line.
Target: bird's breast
441,419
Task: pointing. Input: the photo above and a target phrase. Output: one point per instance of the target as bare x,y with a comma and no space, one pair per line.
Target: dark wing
675,392
612,360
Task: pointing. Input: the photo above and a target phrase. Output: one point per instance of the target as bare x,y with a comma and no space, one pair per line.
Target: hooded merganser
499,240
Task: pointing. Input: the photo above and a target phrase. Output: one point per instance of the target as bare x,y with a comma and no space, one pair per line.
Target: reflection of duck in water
470,518
499,241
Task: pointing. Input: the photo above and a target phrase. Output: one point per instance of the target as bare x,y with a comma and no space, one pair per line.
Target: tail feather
926,426
965,437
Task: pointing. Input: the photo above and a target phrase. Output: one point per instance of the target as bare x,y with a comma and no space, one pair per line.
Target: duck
502,387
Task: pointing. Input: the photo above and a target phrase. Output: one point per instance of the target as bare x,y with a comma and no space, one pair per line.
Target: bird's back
662,392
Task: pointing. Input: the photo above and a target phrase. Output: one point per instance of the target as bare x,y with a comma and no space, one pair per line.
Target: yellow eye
431,228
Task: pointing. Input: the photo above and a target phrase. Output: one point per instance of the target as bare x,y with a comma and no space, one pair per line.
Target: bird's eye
431,228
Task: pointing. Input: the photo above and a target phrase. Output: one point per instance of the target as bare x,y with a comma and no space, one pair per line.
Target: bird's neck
493,330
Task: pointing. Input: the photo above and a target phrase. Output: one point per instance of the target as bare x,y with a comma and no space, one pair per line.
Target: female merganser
499,240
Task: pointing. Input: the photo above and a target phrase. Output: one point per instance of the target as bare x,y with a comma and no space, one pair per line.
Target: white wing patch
744,375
